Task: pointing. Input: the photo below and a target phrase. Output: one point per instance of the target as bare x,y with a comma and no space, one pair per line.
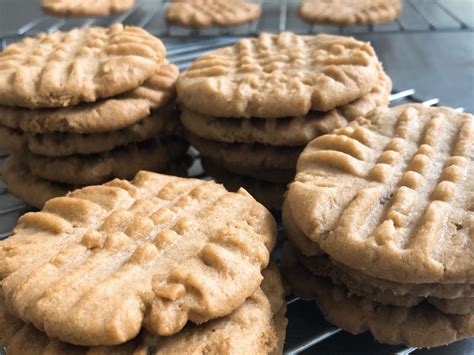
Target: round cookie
387,194
418,326
82,65
168,249
206,13
123,162
287,131
283,75
31,189
296,236
267,193
36,191
256,327
350,12
247,156
102,116
86,7
357,279
322,266
159,123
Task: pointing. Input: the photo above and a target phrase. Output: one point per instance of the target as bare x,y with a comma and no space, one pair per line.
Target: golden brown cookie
31,189
206,13
267,193
283,75
36,191
417,326
123,162
95,267
304,245
289,131
358,280
159,123
247,156
82,65
323,266
101,116
350,12
389,194
86,7
256,327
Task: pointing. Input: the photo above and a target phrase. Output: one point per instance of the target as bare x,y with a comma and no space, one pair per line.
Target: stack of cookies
251,108
85,106
380,222
158,265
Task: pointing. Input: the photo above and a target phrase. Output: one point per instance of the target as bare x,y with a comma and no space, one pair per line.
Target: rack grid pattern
308,332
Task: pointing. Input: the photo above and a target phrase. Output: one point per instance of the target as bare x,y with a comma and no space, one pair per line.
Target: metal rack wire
308,332
277,16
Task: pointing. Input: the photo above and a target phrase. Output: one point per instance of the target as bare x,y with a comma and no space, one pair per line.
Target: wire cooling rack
277,16
308,332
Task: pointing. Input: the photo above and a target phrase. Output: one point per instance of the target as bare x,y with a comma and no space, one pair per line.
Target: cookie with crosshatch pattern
350,12
86,7
105,115
311,252
418,326
256,327
205,13
282,75
290,131
391,194
157,252
82,65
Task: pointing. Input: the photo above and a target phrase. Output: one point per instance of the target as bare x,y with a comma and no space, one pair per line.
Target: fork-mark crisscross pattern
286,131
391,195
205,13
350,12
82,65
155,252
281,75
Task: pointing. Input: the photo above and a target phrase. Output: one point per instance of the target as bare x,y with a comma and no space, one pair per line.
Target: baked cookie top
82,65
391,194
350,12
256,327
101,116
286,130
86,7
279,76
205,13
95,267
